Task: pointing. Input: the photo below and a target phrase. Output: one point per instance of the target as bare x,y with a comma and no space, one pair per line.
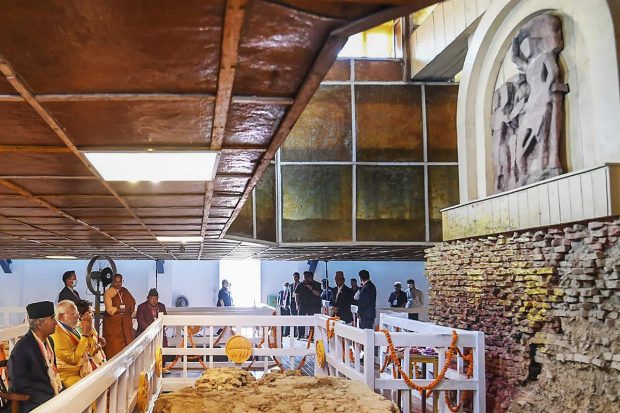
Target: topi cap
410,281
153,293
41,309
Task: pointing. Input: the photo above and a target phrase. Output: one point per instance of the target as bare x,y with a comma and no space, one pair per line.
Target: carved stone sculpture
528,113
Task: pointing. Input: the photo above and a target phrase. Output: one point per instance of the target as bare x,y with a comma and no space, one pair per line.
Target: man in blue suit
367,302
32,364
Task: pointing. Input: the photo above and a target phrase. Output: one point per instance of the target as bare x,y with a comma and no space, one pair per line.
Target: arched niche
592,108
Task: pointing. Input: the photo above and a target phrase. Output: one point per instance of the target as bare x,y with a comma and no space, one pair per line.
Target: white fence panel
116,382
12,315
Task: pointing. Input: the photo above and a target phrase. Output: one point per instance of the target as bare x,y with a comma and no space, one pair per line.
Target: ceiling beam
48,177
28,195
20,86
311,83
158,148
33,149
36,228
148,97
57,247
233,23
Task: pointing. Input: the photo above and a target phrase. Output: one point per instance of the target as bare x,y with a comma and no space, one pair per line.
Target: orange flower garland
303,360
452,351
469,358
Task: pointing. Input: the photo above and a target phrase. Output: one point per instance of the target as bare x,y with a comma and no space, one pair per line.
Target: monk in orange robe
117,322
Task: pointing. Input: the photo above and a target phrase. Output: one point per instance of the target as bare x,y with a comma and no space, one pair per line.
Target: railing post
479,375
369,358
319,335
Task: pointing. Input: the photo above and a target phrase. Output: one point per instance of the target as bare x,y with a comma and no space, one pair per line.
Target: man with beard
71,345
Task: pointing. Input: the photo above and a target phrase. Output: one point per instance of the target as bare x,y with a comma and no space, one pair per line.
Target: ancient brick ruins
548,302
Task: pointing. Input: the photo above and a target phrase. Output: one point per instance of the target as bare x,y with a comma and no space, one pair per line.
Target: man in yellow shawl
71,345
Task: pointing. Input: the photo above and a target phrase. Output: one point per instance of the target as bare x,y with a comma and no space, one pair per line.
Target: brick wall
548,302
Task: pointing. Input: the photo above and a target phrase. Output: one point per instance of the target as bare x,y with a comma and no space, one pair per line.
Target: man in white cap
398,298
32,364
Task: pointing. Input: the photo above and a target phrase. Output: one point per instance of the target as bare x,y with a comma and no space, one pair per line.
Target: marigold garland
469,358
303,360
450,353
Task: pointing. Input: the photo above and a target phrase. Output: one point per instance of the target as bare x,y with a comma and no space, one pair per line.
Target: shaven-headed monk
117,324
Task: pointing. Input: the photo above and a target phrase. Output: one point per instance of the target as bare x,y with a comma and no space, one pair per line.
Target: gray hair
36,322
63,307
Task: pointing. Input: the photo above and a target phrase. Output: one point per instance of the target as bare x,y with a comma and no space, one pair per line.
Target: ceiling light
60,257
179,239
155,166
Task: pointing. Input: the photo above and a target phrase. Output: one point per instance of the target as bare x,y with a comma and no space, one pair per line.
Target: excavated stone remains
231,390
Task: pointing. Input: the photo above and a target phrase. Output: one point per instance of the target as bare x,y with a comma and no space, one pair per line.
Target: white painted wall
383,274
197,280
37,280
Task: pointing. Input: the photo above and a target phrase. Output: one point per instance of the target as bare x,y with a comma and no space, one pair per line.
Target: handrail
91,388
343,344
6,312
11,332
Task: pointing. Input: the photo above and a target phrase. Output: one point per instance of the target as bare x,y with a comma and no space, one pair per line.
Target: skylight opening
155,166
381,42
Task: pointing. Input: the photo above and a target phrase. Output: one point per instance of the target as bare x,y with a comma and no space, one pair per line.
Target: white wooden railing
175,334
438,337
412,334
254,327
12,316
113,387
422,312
115,384
12,334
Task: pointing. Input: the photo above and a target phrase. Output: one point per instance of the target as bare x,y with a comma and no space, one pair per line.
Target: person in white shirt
415,298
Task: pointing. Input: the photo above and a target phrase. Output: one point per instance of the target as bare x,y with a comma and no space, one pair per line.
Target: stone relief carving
528,113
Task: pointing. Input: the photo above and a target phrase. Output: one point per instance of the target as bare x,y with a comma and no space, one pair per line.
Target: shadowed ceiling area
230,76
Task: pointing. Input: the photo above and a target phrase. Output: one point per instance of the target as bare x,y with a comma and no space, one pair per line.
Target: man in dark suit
293,305
69,293
284,304
308,298
32,364
342,298
367,303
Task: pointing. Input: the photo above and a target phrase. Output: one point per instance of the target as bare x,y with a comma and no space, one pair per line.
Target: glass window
390,203
389,123
242,226
443,192
316,203
265,193
441,123
323,131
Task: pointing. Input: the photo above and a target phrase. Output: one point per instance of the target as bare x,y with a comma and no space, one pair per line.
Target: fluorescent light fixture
179,239
155,166
60,257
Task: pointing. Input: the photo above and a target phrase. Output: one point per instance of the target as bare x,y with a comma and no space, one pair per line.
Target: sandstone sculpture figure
528,112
